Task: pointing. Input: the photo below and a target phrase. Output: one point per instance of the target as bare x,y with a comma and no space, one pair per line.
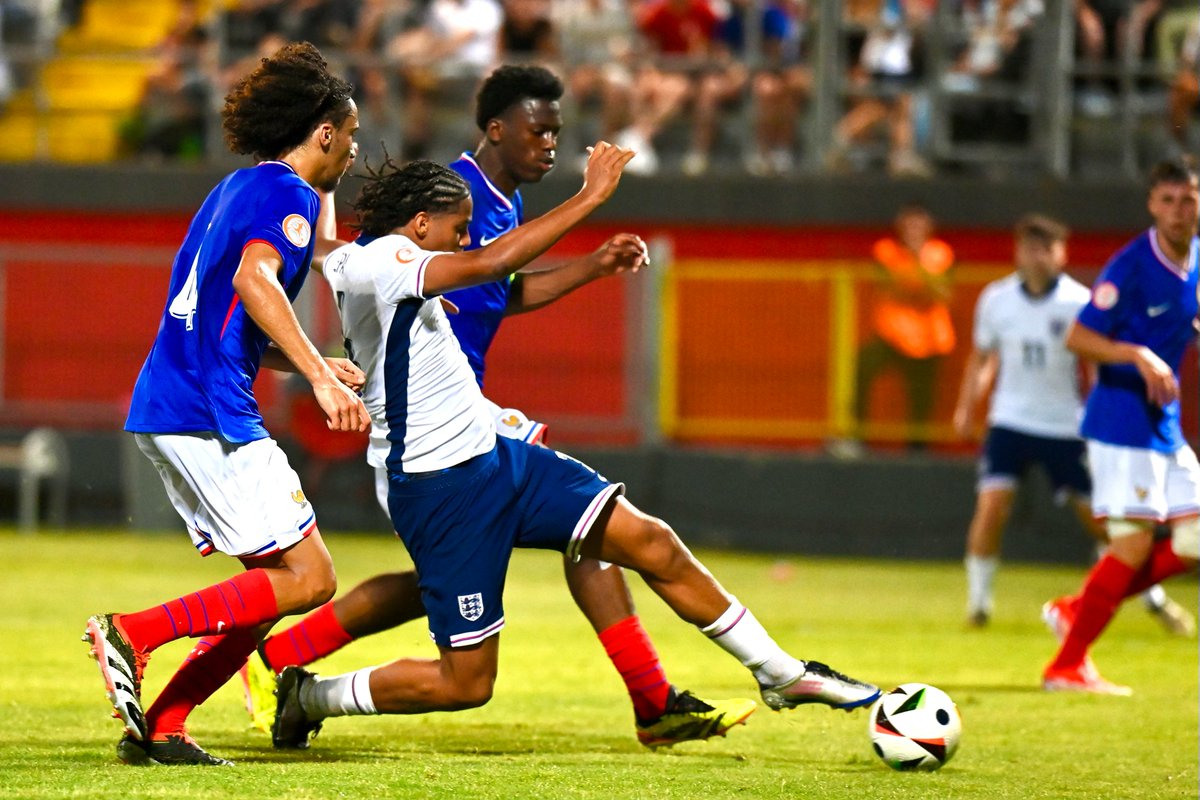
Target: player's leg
377,604
460,678
1005,457
663,715
239,500
993,505
624,535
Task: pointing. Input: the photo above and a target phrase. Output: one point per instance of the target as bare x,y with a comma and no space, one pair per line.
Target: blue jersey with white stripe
1141,297
200,373
481,308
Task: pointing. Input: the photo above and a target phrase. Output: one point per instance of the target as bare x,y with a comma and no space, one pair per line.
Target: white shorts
1136,483
512,424
243,500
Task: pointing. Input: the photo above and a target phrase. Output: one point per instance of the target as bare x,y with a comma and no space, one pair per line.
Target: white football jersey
1037,389
427,412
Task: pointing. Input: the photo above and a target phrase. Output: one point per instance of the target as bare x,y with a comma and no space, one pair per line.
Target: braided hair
273,109
393,195
509,85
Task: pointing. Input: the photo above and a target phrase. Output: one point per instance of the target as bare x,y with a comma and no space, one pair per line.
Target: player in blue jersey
518,113
195,416
462,498
1140,319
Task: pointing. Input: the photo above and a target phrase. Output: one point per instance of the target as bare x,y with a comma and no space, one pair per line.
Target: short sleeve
399,270
986,337
284,220
1109,299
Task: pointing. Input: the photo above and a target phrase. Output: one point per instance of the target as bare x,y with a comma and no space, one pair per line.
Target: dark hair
1175,170
274,108
393,195
509,85
1046,230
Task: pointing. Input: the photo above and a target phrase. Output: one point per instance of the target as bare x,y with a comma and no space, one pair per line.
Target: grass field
560,725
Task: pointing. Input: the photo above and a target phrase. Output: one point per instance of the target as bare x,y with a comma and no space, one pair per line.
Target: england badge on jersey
470,606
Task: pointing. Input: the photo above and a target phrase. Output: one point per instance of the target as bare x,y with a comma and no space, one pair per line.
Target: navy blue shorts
460,527
1007,455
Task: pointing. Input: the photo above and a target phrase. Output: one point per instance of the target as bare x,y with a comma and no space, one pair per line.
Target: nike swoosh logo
484,241
220,625
1154,311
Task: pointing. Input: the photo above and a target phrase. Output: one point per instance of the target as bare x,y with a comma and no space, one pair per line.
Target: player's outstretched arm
625,252
517,248
1161,386
257,285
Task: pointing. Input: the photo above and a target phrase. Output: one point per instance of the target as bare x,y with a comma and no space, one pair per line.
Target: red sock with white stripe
244,601
744,637
208,667
1106,586
315,636
634,656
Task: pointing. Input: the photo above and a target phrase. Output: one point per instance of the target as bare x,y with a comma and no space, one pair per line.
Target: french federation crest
470,606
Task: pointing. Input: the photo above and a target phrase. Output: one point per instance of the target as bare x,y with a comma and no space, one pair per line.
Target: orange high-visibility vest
915,327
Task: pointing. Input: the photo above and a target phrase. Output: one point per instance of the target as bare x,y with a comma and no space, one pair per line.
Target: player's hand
604,166
1161,386
625,252
348,373
343,408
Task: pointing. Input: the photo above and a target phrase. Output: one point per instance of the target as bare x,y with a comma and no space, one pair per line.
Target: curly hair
393,195
274,108
509,85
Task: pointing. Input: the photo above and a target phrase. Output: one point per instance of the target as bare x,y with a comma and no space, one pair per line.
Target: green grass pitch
560,725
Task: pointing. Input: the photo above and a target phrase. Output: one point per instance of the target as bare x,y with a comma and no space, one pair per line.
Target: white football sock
338,696
743,637
981,575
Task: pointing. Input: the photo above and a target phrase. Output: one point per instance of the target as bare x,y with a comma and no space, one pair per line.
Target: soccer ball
915,727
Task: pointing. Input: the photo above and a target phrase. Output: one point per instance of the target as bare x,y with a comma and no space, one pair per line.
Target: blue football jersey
481,308
1143,298
200,373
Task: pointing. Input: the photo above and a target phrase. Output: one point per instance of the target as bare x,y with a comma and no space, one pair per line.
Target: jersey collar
470,159
1180,270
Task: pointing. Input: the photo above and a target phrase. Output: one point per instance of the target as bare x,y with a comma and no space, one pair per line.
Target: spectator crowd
689,83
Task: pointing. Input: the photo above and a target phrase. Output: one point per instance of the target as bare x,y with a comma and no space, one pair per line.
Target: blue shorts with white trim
461,525
1008,454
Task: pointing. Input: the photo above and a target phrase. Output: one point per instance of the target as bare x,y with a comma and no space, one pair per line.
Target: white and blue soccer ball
915,727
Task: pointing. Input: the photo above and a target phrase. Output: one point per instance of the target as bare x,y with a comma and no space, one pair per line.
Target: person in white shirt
1021,323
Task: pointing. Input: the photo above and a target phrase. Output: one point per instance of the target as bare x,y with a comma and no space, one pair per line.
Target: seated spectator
1164,24
1185,90
596,39
882,82
678,38
169,121
528,33
780,85
457,42
1097,27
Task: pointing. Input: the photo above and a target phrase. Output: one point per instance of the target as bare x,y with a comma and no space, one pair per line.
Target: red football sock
1106,586
1162,564
632,653
210,664
244,601
315,636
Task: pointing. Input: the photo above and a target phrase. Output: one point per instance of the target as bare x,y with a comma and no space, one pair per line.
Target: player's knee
1185,538
659,549
471,692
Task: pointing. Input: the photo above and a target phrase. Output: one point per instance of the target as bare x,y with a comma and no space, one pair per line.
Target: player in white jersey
1020,327
462,498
